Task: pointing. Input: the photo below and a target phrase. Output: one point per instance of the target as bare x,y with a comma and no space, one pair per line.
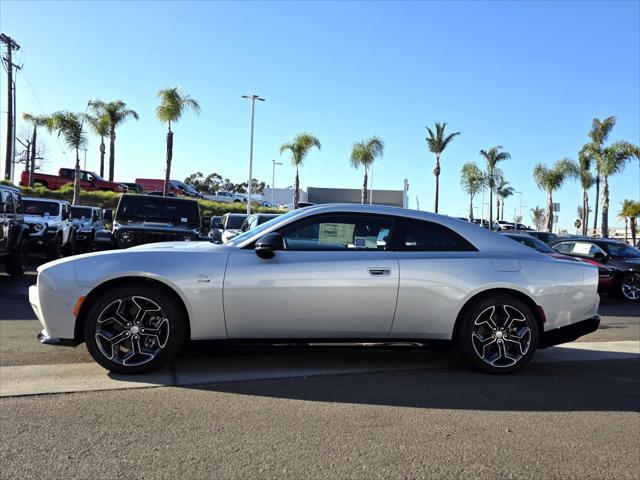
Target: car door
335,279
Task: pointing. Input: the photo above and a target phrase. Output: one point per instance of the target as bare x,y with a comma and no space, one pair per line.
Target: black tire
172,316
70,248
504,349
16,264
54,249
629,287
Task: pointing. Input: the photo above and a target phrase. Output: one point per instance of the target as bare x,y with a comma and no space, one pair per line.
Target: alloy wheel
501,336
631,287
132,331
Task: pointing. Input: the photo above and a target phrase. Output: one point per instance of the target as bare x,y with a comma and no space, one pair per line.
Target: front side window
18,202
339,232
8,203
423,236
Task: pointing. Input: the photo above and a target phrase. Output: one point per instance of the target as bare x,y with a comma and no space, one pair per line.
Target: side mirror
267,245
600,257
206,222
108,214
218,225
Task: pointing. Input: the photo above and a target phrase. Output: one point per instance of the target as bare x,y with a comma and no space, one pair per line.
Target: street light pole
273,179
253,99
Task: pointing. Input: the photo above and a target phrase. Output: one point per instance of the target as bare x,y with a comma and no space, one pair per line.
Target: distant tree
600,130
173,104
36,121
577,224
69,126
614,159
299,149
117,112
493,157
538,217
551,179
363,154
437,142
24,156
472,180
631,211
503,191
100,123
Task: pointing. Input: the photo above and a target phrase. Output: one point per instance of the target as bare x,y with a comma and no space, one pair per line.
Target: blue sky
526,75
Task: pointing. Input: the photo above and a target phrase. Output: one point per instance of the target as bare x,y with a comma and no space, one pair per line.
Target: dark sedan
614,254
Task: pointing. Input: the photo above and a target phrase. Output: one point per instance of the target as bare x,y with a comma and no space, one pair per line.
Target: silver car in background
334,273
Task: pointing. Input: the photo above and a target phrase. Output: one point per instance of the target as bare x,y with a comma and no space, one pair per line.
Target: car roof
147,197
40,199
10,187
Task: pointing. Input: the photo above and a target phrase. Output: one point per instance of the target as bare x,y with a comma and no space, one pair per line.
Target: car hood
156,227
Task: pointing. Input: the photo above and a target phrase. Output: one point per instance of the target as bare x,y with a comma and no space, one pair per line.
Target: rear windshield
80,212
234,222
534,243
36,207
158,209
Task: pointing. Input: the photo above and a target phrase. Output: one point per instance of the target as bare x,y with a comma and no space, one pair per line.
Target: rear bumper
569,333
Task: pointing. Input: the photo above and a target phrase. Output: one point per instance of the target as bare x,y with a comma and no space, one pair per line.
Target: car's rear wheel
630,287
497,334
134,328
54,250
16,264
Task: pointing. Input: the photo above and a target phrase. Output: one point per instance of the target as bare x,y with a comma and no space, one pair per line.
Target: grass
110,200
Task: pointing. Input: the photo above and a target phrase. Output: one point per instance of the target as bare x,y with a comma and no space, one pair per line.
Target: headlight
38,227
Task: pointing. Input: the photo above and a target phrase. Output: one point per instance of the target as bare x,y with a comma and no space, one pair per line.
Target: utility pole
253,99
11,45
273,179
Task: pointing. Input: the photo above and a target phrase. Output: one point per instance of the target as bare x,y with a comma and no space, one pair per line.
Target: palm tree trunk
549,225
76,180
585,211
167,175
497,207
502,212
605,208
490,207
626,236
633,231
102,150
595,207
364,188
32,168
296,192
436,172
470,208
112,152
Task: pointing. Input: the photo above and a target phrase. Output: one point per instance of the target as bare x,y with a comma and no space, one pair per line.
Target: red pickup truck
88,180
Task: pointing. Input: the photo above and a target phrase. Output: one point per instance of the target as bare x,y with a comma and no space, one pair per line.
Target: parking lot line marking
81,377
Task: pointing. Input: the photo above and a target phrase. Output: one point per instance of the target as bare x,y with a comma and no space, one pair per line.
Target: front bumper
569,333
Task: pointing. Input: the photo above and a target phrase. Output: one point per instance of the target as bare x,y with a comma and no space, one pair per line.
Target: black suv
14,233
141,219
614,254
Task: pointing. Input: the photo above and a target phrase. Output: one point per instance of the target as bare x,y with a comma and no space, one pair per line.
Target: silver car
326,273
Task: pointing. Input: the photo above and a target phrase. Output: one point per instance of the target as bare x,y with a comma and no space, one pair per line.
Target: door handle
380,272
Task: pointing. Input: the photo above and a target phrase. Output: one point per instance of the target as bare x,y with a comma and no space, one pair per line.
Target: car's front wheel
134,328
54,250
630,287
497,334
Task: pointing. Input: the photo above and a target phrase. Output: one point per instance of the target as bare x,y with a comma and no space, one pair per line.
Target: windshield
534,243
155,209
235,222
80,212
36,207
261,228
622,250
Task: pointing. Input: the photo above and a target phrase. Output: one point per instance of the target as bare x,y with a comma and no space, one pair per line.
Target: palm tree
117,112
299,148
613,160
35,121
600,130
538,217
551,179
586,181
624,214
631,210
472,181
503,191
173,103
363,154
70,126
493,156
100,125
437,142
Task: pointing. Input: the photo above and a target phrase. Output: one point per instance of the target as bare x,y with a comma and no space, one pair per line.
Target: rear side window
423,236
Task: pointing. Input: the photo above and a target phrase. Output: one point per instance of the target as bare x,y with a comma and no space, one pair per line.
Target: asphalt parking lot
319,413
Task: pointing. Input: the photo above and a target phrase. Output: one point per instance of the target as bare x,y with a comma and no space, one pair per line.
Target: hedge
110,200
